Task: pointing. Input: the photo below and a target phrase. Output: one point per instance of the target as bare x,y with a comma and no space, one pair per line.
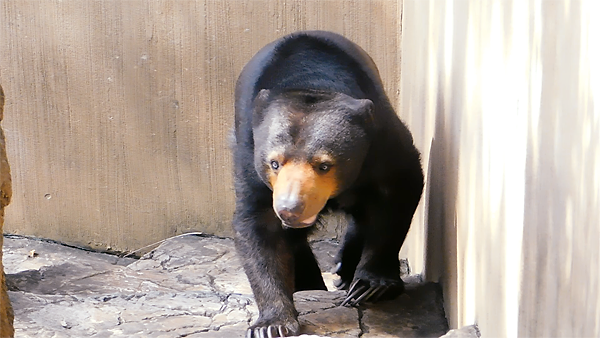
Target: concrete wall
118,112
504,98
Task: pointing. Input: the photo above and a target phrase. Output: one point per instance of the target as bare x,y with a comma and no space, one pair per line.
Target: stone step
191,286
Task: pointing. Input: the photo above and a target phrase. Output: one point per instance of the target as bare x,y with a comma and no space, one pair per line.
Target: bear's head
309,147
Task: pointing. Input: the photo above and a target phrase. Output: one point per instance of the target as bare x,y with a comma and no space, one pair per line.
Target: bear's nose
289,209
288,216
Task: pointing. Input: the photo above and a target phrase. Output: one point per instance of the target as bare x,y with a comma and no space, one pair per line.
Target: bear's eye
274,165
324,167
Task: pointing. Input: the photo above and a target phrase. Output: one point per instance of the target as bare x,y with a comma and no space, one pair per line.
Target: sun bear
314,132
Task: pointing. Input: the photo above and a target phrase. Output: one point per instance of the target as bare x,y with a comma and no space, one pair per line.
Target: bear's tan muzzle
300,192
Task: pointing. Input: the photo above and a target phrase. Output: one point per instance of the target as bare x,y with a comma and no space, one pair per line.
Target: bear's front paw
363,290
273,328
345,276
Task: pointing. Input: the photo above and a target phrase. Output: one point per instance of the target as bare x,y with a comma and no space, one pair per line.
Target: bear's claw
361,290
266,331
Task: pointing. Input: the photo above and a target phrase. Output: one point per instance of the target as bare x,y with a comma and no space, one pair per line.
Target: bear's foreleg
382,225
348,257
268,262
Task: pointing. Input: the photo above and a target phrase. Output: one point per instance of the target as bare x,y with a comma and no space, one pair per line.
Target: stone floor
191,286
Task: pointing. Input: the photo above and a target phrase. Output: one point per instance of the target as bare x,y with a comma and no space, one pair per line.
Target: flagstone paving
191,286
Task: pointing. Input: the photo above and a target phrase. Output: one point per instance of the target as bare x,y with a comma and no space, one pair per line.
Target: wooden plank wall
509,102
118,112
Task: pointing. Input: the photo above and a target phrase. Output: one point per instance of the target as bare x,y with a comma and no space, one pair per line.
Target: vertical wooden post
6,312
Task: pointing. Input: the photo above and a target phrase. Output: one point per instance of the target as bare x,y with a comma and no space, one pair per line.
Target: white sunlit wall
500,96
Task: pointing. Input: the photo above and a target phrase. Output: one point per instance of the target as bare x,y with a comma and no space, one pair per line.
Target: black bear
315,131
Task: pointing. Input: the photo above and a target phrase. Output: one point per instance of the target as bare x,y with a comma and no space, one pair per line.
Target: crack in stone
194,332
224,301
308,312
164,262
212,260
181,313
89,276
219,256
211,284
361,324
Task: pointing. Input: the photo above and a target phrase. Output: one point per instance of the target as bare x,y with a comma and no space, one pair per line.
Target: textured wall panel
118,112
504,99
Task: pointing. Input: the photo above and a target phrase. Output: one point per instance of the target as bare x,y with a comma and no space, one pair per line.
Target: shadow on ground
190,286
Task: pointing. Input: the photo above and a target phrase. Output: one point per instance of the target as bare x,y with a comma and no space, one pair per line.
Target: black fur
380,199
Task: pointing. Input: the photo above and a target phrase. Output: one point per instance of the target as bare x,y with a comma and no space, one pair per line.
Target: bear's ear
361,111
261,101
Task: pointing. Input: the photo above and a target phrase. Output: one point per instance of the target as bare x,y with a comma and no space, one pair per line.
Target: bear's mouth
302,224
